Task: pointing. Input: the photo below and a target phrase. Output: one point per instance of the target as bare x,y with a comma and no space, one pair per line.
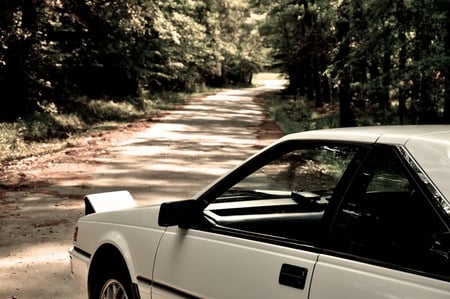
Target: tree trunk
386,81
446,67
347,118
17,83
402,96
317,84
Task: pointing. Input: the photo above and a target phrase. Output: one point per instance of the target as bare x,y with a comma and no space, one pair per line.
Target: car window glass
386,217
287,196
388,178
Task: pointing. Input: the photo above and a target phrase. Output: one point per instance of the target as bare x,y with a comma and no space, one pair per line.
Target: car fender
117,239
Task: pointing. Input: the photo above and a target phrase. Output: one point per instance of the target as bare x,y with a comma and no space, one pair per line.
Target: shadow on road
173,159
187,150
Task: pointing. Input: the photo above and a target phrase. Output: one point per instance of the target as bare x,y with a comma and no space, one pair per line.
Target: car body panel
134,232
79,268
336,277
210,265
223,262
433,156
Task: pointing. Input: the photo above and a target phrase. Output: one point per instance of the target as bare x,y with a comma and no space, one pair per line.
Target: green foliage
385,58
11,134
15,143
391,56
297,115
43,132
58,51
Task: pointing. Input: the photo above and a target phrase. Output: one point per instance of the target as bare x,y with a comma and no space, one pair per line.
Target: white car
340,213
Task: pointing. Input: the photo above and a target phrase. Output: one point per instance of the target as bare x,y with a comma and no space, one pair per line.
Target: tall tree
342,66
19,76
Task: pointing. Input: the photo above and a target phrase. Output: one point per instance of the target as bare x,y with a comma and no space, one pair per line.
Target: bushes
51,128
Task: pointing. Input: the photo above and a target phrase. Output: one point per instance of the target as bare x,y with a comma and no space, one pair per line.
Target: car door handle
293,276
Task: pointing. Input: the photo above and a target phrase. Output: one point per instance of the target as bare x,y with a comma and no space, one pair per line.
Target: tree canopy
390,57
54,50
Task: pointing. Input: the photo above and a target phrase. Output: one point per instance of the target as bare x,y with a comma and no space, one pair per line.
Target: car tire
113,285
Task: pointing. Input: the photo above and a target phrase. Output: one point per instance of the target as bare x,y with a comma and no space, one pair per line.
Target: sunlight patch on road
44,253
28,264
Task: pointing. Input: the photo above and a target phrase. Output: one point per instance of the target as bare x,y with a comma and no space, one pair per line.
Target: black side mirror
183,213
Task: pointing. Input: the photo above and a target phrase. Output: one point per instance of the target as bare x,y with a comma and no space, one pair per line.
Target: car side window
385,217
287,196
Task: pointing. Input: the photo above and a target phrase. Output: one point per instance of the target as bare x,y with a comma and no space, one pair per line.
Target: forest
390,58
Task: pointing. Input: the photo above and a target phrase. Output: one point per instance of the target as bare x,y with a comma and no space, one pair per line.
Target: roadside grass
296,114
51,130
300,115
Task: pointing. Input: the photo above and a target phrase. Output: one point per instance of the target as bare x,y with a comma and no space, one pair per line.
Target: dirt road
171,158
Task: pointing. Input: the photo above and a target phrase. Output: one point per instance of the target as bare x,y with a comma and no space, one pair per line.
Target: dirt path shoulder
167,158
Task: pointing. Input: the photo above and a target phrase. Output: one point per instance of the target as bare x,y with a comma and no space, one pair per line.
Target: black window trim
263,238
398,151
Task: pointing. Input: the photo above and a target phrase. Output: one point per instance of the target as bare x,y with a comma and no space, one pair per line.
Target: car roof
380,134
429,145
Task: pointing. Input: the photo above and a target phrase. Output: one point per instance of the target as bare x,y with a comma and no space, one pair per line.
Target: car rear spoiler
108,201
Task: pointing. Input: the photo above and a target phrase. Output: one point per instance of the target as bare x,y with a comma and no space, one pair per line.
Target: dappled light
173,159
189,149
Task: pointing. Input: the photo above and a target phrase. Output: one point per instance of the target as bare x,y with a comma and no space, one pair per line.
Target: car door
196,264
389,238
259,231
